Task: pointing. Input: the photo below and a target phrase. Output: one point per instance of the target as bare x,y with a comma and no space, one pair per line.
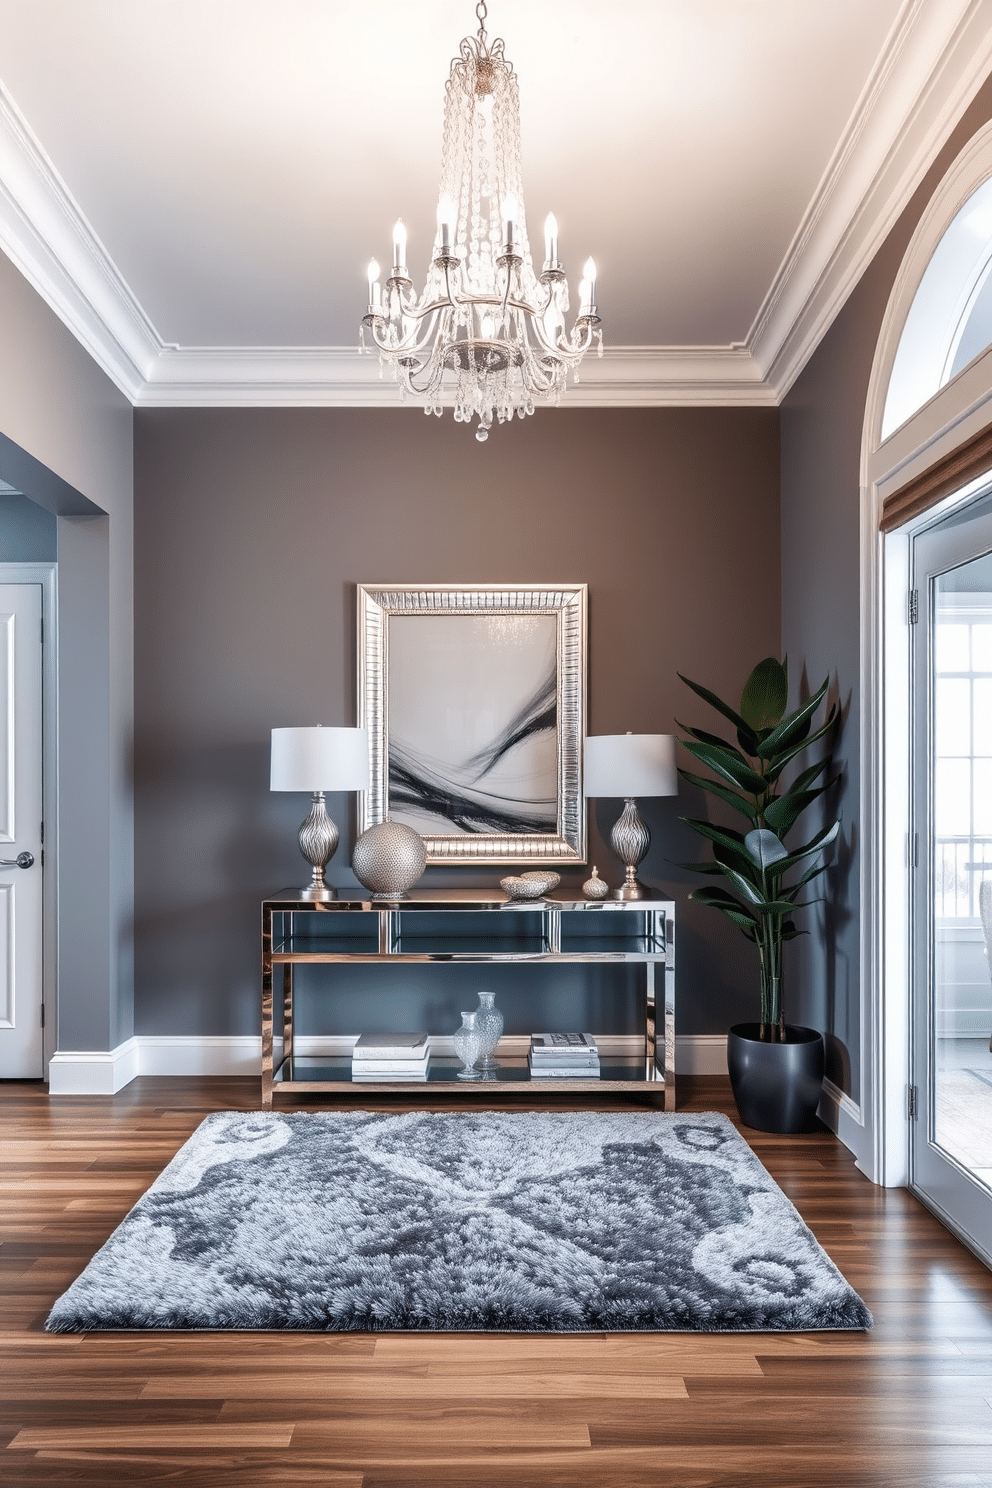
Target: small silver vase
489,1022
468,1046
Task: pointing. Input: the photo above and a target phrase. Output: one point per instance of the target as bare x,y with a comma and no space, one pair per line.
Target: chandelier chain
481,12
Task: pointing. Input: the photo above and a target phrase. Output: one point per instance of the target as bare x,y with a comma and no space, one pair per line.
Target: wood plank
182,1435
389,1385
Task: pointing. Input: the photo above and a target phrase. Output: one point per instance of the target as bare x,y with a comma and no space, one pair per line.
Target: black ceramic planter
776,1086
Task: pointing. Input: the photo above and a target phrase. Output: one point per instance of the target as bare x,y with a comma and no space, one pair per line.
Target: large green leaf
729,765
728,845
740,803
727,711
764,848
774,767
816,844
738,913
793,728
784,812
765,696
737,859
702,735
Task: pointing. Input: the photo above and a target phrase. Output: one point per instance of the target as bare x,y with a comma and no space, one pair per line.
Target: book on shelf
564,1071
391,1046
561,1045
564,1051
389,1077
391,1066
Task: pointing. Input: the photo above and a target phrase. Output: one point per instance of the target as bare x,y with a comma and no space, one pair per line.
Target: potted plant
776,1069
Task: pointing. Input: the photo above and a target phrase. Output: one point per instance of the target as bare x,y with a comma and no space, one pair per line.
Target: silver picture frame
475,704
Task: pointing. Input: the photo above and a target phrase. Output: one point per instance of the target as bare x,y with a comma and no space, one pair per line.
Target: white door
951,1142
21,1048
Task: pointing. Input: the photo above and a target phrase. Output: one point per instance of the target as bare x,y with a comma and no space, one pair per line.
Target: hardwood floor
906,1406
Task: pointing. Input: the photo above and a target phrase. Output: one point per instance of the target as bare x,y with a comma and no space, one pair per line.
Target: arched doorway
927,614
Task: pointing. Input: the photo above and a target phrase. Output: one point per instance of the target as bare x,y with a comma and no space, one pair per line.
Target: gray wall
253,528
66,442
27,531
821,429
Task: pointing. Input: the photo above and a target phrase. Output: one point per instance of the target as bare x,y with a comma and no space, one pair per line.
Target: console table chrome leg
669,975
287,1010
650,1045
266,1007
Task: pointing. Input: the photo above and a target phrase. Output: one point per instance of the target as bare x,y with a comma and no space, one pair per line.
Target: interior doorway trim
46,574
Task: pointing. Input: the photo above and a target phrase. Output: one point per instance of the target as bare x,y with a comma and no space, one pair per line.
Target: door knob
23,860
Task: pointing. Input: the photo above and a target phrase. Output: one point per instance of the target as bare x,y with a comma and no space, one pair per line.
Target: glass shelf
442,1070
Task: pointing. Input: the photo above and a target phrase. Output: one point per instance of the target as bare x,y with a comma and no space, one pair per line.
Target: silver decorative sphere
388,859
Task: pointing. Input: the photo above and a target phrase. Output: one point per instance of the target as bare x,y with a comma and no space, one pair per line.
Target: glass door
950,853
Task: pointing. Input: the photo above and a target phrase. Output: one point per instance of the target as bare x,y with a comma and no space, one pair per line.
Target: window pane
951,646
983,797
981,647
982,737
952,803
952,716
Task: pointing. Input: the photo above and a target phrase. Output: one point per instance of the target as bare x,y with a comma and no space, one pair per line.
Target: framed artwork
474,700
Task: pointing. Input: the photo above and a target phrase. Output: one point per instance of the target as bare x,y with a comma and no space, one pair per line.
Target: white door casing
21,807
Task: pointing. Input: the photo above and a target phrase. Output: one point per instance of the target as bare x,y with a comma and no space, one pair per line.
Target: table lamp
318,760
630,765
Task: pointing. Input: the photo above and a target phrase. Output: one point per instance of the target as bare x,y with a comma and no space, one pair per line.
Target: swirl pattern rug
484,1221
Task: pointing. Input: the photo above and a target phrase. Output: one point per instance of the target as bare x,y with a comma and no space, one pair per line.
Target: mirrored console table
483,926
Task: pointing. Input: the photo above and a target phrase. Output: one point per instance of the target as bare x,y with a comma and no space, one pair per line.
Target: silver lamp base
318,841
630,840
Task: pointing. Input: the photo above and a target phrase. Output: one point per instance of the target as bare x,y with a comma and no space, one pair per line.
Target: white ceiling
197,185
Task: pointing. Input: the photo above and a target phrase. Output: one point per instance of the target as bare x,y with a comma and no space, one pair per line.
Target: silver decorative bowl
533,885
388,859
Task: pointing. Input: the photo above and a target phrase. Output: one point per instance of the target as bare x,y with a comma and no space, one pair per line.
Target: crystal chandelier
486,330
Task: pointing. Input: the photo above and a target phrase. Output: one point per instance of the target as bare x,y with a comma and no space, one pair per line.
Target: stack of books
563,1056
390,1057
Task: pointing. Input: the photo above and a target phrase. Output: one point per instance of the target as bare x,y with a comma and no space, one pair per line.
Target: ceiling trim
935,58
337,377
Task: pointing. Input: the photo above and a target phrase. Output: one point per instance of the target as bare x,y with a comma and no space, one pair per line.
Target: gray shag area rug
489,1221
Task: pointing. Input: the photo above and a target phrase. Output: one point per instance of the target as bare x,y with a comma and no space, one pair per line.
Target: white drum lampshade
318,760
626,766
623,765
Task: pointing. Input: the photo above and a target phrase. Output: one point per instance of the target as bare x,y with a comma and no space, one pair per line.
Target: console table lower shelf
297,931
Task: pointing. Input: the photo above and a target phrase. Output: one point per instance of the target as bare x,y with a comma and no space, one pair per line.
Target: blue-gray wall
66,439
27,530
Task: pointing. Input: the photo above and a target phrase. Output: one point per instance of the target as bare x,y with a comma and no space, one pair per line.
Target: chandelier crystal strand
486,332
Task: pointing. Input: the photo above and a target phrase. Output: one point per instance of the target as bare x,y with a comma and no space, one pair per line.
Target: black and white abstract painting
475,701
473,715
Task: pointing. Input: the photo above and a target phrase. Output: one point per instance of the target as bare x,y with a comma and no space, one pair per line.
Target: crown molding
338,377
935,58
44,233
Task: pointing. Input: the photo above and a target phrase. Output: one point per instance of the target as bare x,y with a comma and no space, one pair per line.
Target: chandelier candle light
486,329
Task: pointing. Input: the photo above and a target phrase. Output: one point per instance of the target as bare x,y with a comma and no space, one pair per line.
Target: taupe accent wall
253,528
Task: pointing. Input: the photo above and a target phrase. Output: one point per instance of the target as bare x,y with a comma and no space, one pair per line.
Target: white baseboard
701,1053
843,1116
152,1054
94,1073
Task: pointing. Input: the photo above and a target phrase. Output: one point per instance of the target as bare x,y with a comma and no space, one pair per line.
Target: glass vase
489,1022
468,1046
